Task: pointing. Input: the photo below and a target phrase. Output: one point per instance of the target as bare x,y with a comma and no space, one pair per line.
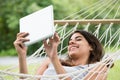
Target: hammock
104,26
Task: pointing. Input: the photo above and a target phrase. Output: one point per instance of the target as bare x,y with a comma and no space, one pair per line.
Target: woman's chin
72,55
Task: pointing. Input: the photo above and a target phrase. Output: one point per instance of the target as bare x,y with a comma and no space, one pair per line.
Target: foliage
10,52
13,10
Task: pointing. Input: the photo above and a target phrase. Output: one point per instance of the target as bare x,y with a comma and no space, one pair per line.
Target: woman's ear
91,49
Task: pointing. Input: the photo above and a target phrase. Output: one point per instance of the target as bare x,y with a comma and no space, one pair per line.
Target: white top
51,71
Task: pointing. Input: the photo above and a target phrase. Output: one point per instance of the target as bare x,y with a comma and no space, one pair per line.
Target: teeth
73,47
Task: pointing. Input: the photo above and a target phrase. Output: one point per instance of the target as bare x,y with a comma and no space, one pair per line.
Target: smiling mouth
73,47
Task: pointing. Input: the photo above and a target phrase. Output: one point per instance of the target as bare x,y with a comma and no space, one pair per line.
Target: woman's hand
22,51
19,43
99,72
51,46
51,50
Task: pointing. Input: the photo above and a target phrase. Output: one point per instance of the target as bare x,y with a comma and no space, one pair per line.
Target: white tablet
39,25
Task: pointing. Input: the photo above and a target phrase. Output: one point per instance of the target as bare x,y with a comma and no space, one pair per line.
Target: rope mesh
108,34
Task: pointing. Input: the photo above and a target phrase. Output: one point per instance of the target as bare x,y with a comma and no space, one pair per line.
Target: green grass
7,67
15,69
114,73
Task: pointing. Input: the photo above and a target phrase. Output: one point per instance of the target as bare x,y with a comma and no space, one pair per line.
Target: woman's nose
72,42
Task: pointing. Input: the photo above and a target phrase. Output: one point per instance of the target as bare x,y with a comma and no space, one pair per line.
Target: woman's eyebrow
78,37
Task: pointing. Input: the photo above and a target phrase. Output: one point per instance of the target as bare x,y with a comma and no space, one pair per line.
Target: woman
84,49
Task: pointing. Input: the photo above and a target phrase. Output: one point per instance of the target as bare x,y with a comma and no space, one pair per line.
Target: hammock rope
106,29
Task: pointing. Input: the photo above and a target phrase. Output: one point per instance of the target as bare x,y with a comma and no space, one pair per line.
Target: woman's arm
43,67
22,51
51,50
99,72
22,65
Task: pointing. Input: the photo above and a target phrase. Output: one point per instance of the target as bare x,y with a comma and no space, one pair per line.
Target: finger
45,42
101,68
96,67
50,39
56,36
23,40
22,45
23,34
20,33
17,44
20,41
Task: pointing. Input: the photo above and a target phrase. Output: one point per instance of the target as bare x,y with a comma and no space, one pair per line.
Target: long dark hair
95,55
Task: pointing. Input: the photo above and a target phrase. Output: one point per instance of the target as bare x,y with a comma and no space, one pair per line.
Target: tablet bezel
39,25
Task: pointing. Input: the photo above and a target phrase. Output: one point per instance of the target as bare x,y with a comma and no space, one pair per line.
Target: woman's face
78,46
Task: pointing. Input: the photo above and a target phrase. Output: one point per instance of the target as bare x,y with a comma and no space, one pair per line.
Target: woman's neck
80,61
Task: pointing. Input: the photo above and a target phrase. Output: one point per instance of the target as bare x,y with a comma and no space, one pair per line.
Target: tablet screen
39,25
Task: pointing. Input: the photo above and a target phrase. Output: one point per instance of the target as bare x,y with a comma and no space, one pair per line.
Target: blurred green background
12,10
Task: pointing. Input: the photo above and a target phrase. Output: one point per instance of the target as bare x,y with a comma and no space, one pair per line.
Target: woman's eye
79,39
